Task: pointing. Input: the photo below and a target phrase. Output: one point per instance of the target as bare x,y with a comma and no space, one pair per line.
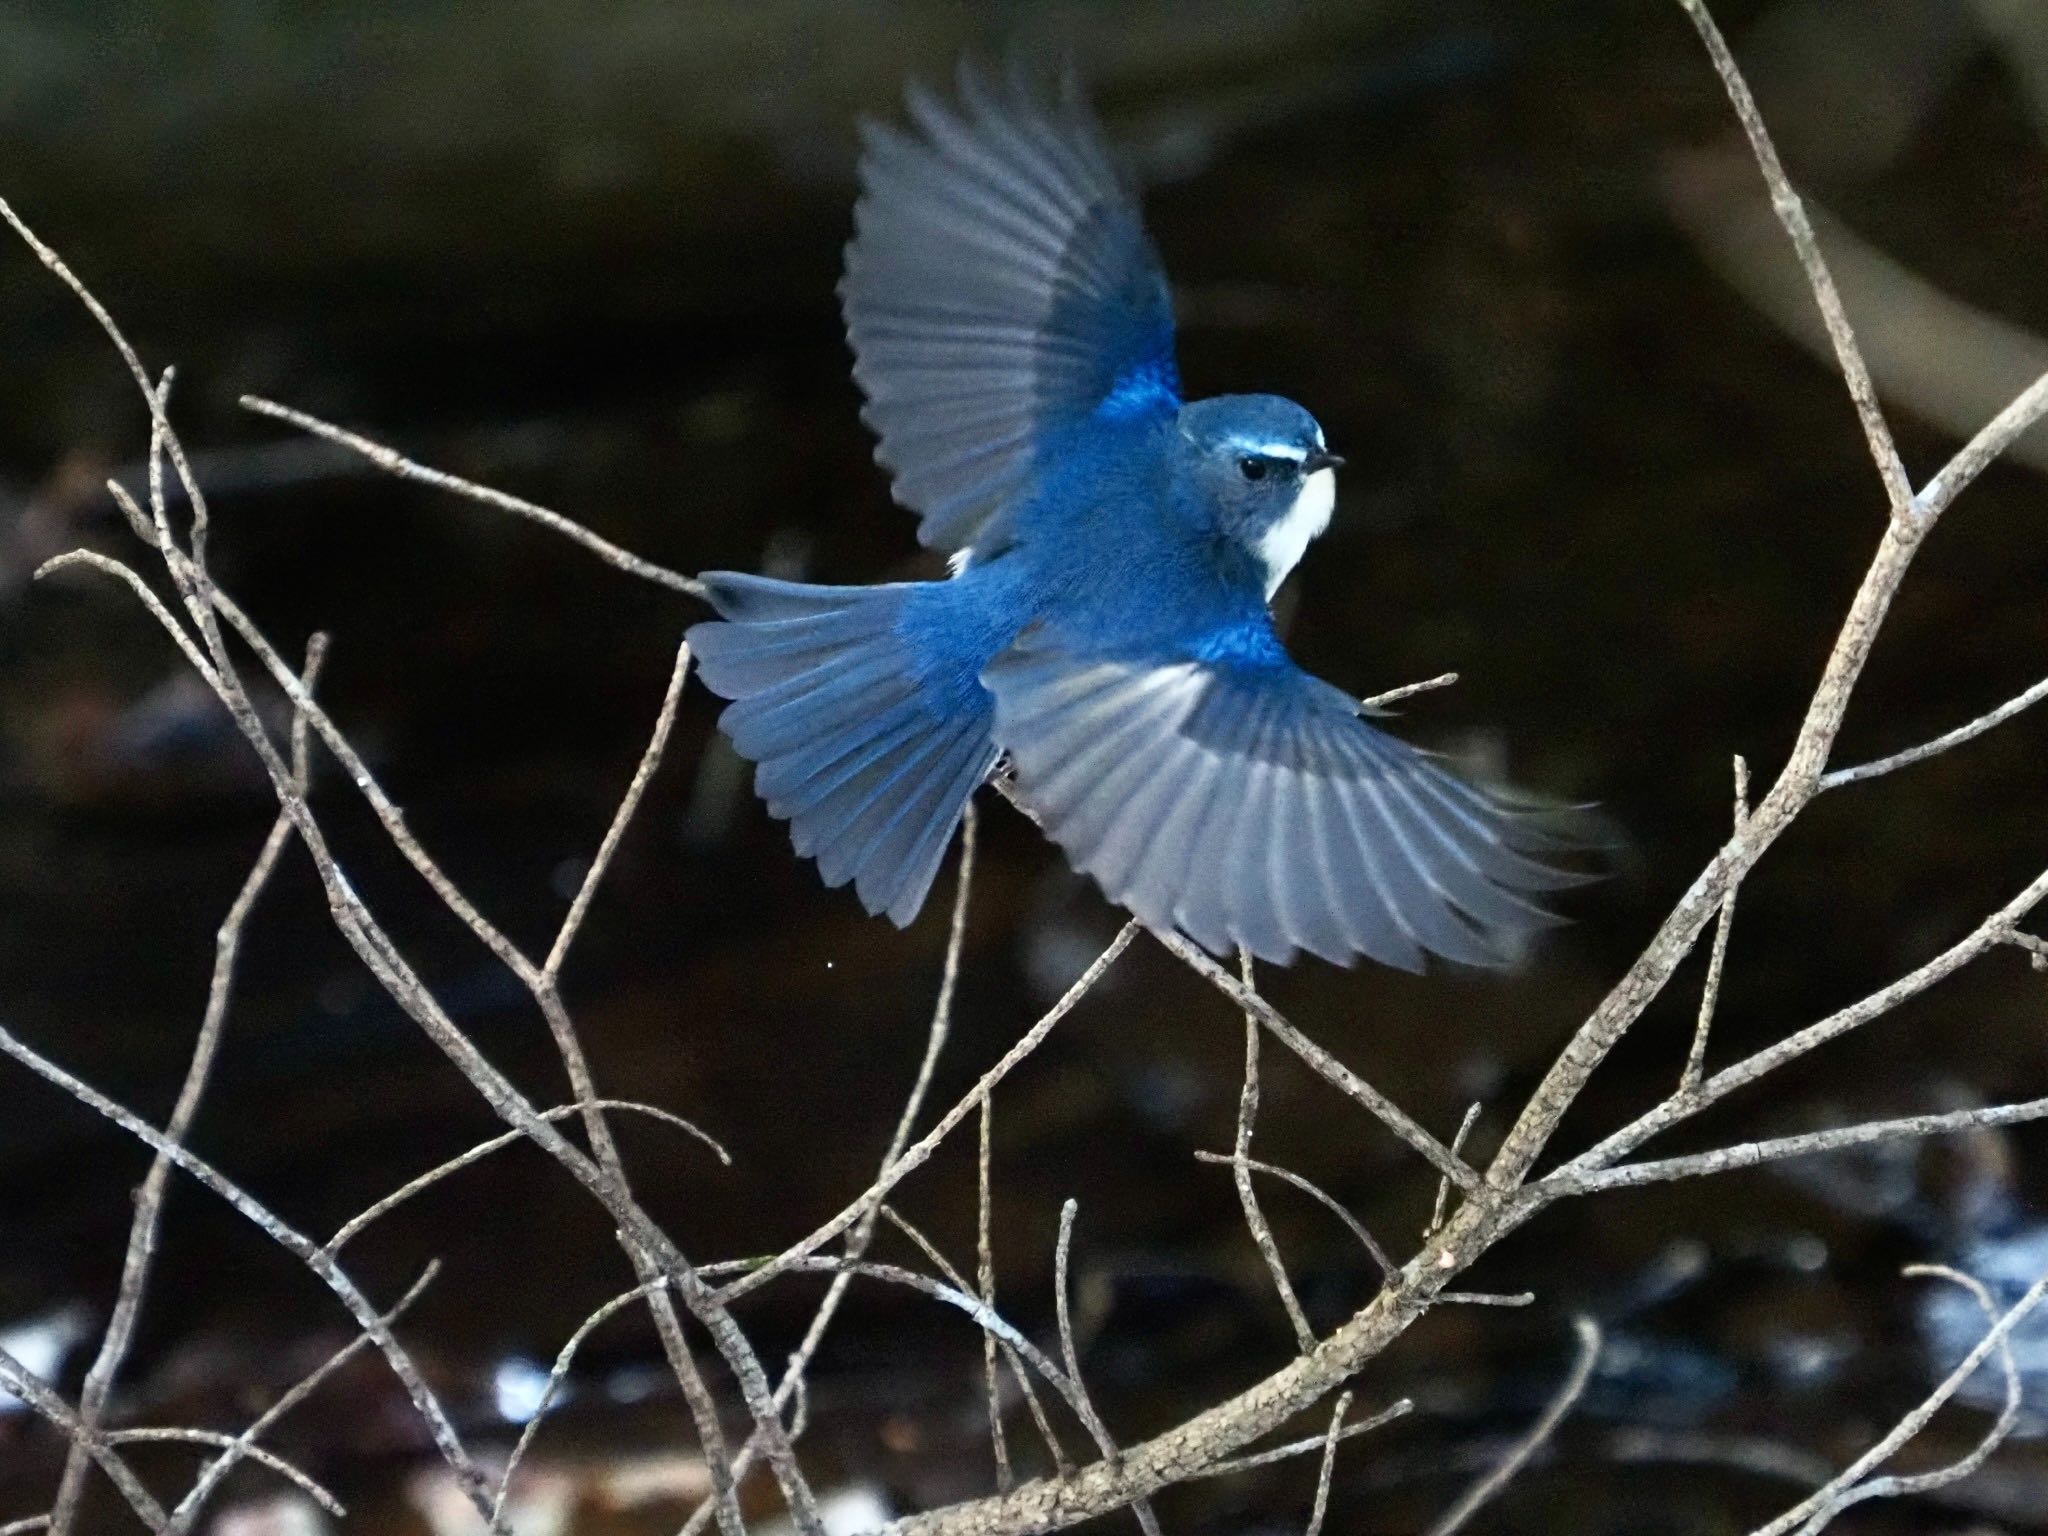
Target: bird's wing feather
999,285
1250,805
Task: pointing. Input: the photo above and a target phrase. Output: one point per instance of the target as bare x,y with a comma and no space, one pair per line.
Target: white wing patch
1281,546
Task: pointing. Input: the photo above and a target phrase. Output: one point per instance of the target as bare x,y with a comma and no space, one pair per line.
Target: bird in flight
1106,624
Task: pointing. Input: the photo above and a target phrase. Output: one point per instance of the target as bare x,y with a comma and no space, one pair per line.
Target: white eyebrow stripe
1292,451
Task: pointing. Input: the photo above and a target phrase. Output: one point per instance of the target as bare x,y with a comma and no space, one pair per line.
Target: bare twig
565,1358
1717,957
985,1278
1792,214
1377,1104
1854,1484
1939,744
930,1250
189,1507
351,1229
1329,1466
1247,1197
863,1232
291,1474
1488,1486
1238,1464
1071,1354
1572,1180
919,1152
2029,406
408,469
1386,1266
446,1439
1443,1183
1407,691
149,1199
33,1390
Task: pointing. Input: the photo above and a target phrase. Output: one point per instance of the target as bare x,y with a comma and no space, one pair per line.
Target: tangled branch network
691,1303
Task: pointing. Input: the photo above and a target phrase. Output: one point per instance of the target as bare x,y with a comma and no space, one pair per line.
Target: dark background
587,254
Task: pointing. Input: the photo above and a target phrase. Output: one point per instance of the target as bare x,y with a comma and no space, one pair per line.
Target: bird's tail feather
870,768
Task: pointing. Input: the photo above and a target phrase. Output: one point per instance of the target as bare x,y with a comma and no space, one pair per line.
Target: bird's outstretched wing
999,284
1250,805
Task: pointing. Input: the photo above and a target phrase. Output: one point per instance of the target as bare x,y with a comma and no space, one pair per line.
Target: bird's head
1261,465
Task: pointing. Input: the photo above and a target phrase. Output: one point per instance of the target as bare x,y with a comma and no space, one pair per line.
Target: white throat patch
1281,546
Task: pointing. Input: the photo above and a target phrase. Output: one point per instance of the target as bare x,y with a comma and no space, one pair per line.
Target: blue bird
1114,549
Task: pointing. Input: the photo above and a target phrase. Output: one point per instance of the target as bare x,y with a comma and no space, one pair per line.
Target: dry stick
1443,1184
1989,934
1407,691
188,1508
1717,956
1382,1108
1329,1466
1792,214
919,1152
1071,1354
647,1270
25,1527
1487,1487
446,1440
1241,1173
605,1179
1849,1486
2000,433
1940,744
556,1377
1749,1154
149,1199
985,1278
864,1230
34,1391
351,1229
901,1223
213,1437
1386,1266
1400,1408
407,469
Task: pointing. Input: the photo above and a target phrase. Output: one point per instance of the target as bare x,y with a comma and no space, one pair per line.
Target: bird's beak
1321,460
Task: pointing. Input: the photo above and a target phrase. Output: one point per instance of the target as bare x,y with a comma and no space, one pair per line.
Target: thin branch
1443,1183
1940,744
351,1229
149,1199
34,1391
1717,957
291,1474
1329,1466
2029,406
1792,214
919,1153
1377,1104
1238,1464
1483,1491
408,469
1386,1266
1849,1487
560,1373
1071,1354
1571,1180
985,1280
1406,691
863,1232
439,1425
1247,1197
643,775
189,1507
930,1250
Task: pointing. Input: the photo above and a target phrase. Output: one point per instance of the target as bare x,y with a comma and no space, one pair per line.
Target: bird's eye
1252,467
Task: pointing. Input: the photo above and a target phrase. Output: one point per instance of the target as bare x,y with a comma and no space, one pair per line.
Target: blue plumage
1106,625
